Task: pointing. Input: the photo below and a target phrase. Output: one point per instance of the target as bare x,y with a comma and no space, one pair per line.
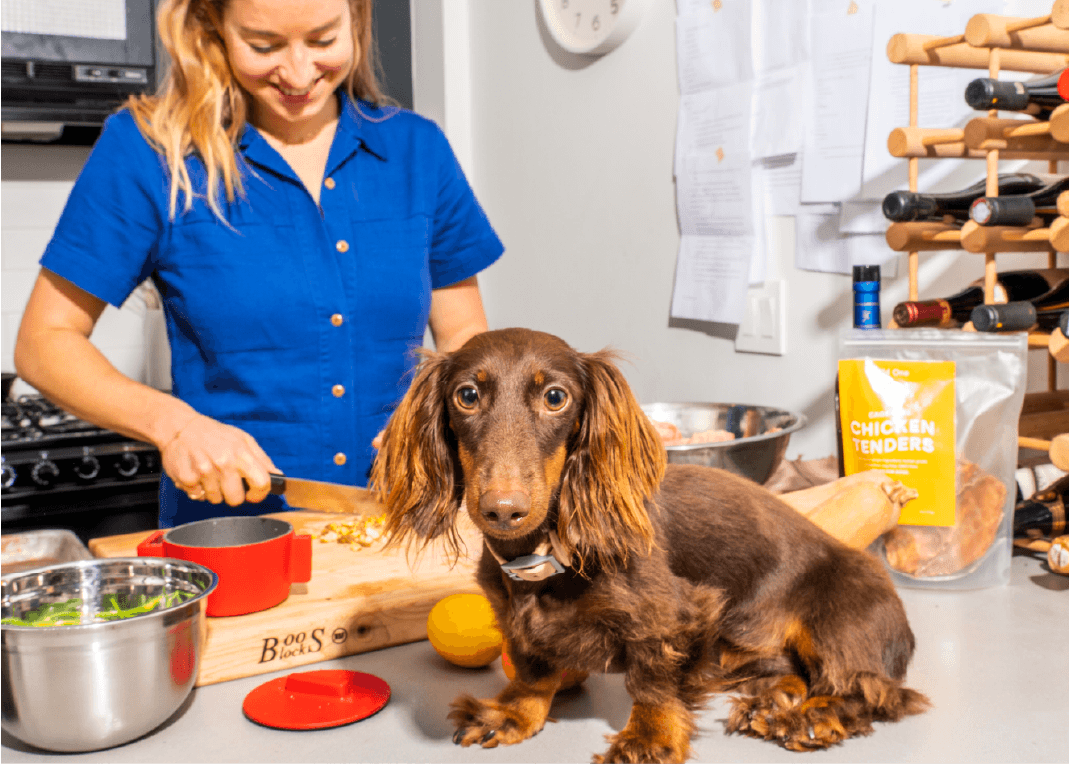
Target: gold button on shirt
329,183
342,246
338,390
337,319
339,459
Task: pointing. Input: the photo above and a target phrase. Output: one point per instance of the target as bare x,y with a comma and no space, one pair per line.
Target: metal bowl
761,435
99,684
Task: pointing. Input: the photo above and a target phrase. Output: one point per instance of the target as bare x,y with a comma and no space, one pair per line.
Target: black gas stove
60,471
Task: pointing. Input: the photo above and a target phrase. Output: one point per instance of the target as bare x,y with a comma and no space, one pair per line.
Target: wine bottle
1038,97
1063,323
1043,312
904,206
957,308
1018,209
1039,518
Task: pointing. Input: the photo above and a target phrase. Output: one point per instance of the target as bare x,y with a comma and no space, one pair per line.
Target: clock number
595,23
577,17
564,5
615,5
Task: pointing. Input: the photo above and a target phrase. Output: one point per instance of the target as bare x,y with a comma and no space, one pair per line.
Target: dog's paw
489,723
812,725
627,748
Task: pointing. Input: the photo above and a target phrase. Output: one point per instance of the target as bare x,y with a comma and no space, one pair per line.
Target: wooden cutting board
357,600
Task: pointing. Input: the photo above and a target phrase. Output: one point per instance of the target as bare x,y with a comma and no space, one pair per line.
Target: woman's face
289,56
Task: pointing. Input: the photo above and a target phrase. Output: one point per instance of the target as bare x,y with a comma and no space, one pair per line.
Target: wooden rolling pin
922,236
919,49
986,30
1018,135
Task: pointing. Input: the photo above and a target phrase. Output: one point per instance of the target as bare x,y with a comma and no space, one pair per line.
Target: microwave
74,62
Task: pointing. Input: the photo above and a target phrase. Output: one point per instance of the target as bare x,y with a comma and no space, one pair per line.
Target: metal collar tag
532,567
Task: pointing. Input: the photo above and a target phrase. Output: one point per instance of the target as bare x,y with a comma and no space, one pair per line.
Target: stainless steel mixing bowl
100,684
761,435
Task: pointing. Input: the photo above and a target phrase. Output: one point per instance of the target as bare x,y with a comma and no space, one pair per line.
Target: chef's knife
324,497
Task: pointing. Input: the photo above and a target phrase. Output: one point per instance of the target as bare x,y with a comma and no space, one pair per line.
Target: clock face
591,27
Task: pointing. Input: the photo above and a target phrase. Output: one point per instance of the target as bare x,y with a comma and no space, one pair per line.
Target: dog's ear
415,474
615,463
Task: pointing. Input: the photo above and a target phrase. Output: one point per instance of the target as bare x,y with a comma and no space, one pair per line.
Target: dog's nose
505,509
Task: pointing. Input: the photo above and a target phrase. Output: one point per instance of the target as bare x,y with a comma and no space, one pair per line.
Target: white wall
573,163
34,184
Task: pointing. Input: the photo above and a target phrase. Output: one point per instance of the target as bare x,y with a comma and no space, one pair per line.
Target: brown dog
689,580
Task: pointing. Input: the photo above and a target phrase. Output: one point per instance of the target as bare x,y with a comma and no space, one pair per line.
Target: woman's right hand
208,460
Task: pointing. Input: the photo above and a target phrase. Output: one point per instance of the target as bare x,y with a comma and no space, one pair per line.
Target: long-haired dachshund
689,580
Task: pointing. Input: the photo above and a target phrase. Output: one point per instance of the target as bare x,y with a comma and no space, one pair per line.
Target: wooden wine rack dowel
1059,14
986,30
1004,135
985,239
1058,344
923,236
941,143
1063,205
911,49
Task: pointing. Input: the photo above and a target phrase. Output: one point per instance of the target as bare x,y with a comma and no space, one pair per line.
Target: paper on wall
781,40
714,195
711,278
779,111
835,123
779,182
820,246
715,119
713,46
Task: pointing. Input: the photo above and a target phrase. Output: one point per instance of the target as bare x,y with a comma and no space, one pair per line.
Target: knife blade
325,497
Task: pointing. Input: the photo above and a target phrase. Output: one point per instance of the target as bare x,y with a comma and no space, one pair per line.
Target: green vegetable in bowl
69,612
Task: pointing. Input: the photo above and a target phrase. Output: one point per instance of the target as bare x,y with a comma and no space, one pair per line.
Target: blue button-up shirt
294,321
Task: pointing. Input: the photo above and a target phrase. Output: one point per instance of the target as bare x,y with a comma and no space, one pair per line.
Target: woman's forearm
53,353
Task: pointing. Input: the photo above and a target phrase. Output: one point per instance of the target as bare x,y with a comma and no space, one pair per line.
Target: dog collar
548,559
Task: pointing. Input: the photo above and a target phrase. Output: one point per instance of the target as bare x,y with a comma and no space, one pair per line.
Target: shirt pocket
238,288
392,258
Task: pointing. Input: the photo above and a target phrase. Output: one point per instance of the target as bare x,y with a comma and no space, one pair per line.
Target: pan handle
152,546
300,561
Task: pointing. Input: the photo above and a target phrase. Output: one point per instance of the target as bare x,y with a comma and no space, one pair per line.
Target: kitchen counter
994,663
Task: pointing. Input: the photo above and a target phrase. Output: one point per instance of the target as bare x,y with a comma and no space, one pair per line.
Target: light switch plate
764,325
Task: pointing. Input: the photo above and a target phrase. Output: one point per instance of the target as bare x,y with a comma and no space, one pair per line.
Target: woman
302,239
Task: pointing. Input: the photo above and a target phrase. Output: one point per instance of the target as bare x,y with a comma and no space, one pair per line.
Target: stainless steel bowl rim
800,421
117,624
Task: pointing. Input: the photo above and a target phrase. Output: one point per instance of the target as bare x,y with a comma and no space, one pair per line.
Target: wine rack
1037,46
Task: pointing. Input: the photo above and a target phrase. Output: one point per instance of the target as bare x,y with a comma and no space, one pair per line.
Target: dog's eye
467,397
555,399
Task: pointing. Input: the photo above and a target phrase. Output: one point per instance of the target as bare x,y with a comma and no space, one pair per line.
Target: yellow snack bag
938,411
901,422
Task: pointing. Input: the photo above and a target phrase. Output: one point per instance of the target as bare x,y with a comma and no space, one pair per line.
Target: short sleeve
111,225
463,242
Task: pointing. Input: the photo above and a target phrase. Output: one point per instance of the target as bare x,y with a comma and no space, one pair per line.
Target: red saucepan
256,559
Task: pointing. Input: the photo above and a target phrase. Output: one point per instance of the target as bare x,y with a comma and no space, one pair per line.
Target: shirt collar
360,121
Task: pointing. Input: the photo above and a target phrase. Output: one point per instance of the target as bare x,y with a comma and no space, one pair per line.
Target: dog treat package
937,410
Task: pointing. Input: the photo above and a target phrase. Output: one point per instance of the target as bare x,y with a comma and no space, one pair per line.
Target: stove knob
7,479
45,473
129,464
88,468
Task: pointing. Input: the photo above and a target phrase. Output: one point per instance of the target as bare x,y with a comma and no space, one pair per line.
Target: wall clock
591,27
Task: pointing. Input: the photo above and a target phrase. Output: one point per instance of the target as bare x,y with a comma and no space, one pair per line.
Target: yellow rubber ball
463,630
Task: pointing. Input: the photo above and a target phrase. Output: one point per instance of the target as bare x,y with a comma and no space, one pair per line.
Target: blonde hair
200,108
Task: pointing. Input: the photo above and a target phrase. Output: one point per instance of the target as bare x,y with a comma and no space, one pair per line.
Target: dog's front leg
517,713
657,731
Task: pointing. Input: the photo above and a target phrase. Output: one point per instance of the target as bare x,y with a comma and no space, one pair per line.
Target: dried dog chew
927,551
856,509
671,435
